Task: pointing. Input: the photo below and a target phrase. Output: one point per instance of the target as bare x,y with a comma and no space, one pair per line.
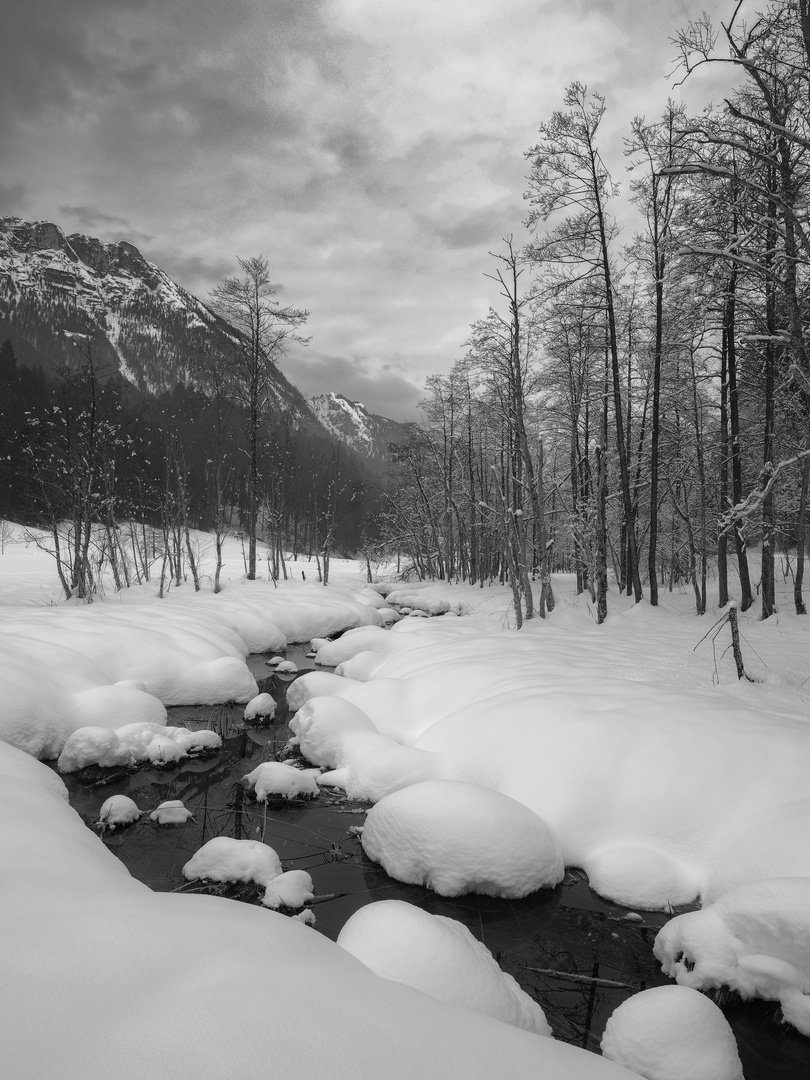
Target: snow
261,707
120,661
652,768
754,939
672,1033
224,859
118,810
456,838
440,957
133,744
291,889
171,812
278,778
100,976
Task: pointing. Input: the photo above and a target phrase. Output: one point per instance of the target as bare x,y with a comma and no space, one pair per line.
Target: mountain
56,290
350,421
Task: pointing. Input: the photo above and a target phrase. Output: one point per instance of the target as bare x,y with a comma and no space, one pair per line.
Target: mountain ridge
58,288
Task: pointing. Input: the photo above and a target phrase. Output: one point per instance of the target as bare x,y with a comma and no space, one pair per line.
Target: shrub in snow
224,859
292,889
672,1033
262,707
458,838
171,813
321,724
278,778
754,939
117,810
286,667
440,957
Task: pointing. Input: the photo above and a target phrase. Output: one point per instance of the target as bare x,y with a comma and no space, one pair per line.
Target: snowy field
493,759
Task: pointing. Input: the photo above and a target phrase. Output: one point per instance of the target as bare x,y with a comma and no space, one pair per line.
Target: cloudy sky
371,150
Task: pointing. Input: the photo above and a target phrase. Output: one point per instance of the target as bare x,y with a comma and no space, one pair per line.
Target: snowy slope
59,291
351,422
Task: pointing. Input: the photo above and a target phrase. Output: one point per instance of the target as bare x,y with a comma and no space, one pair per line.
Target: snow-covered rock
287,667
291,889
440,957
457,838
278,778
225,859
672,1033
171,812
118,810
261,707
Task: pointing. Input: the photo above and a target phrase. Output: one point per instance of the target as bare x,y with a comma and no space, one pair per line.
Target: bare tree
262,327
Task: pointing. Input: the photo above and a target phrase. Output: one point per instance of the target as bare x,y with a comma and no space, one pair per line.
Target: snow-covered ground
632,749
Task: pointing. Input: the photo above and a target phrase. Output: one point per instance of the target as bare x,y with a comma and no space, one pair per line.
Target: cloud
382,389
372,150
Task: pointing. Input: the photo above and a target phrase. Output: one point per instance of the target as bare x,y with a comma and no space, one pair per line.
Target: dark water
542,940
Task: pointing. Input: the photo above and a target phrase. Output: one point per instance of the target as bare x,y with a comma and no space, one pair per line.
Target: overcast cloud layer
372,150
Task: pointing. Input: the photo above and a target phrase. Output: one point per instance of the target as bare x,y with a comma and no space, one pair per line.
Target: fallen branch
588,980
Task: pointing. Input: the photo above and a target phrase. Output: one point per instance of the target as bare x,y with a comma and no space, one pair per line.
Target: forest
639,407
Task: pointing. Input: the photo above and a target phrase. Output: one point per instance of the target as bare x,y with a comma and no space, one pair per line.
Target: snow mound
754,939
118,810
262,707
440,957
312,684
286,667
278,778
641,875
224,859
292,889
133,743
171,812
321,725
672,1033
456,837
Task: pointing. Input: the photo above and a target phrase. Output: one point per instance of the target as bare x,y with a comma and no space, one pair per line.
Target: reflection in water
576,954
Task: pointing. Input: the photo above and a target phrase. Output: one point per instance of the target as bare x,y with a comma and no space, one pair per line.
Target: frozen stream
565,930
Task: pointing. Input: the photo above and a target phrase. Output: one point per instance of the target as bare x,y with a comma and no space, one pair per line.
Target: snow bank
120,661
660,792
99,975
754,939
672,1033
457,838
440,957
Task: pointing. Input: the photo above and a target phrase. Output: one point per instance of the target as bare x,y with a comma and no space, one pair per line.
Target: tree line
639,408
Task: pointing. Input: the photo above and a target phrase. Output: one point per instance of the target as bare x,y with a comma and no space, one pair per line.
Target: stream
565,946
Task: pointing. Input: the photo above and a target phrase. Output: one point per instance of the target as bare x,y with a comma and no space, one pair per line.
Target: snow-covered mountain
350,421
57,289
